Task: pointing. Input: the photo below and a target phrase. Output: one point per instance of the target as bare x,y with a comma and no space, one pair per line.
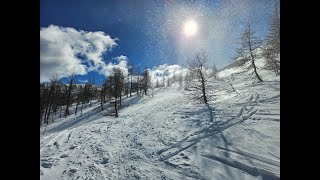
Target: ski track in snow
170,137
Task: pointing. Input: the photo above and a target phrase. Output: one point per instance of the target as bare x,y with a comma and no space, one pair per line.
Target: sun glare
190,28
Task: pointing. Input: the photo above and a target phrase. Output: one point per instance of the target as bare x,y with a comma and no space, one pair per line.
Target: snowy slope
171,137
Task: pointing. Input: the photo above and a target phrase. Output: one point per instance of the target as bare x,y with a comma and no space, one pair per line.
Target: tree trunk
137,89
130,85
69,97
127,85
52,118
60,110
255,69
145,89
49,113
75,113
50,101
252,61
45,114
81,108
203,87
101,100
116,106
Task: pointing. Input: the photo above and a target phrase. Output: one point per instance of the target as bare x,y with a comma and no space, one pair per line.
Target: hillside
168,136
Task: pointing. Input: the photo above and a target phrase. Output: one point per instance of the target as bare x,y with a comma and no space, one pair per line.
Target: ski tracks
215,128
267,168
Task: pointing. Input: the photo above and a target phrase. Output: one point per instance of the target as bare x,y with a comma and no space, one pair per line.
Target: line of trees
117,85
56,98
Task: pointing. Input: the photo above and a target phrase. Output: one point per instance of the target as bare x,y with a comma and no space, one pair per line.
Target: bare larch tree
248,44
196,71
146,81
116,83
69,97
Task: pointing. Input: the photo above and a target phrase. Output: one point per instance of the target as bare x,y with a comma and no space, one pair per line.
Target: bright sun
190,28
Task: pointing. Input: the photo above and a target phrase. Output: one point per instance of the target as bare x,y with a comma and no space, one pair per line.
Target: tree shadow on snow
201,116
78,120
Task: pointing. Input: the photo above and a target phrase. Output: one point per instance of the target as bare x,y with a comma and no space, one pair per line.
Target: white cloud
83,81
121,58
62,47
167,71
122,65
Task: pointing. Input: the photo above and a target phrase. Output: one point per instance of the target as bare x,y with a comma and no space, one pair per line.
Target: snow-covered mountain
168,136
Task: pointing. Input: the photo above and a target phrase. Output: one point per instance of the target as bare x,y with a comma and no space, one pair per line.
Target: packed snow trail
113,148
169,137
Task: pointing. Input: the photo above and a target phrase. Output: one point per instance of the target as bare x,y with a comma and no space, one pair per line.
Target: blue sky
148,33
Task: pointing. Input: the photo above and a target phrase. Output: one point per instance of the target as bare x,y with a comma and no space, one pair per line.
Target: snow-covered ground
168,136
